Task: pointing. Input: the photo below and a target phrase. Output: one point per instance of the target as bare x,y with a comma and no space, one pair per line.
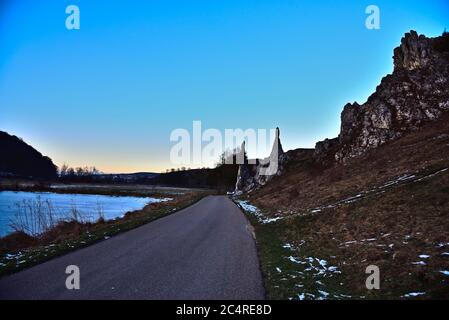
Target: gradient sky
110,93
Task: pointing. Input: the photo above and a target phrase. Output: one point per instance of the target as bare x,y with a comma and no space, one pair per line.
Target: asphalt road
205,251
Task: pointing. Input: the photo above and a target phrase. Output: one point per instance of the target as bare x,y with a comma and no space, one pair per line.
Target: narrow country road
205,251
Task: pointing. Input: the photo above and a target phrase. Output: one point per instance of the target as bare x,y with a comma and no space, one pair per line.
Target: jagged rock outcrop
245,175
415,93
414,52
325,150
256,173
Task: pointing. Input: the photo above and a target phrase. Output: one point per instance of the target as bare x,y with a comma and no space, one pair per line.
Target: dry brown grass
307,185
407,220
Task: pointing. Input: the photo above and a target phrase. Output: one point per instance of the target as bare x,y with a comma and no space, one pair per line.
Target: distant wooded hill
20,159
221,177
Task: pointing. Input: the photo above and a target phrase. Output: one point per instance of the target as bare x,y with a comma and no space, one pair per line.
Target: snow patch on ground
409,178
267,221
324,294
306,268
295,260
441,245
316,268
302,296
246,206
413,294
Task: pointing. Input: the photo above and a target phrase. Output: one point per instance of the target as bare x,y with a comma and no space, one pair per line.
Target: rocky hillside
376,195
417,92
22,160
389,208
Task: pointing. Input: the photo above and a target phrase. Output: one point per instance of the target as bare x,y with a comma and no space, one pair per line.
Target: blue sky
110,93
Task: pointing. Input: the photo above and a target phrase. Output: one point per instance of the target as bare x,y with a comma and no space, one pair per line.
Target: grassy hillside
389,209
306,185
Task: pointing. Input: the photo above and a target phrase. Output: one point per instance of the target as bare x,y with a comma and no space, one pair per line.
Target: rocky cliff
415,93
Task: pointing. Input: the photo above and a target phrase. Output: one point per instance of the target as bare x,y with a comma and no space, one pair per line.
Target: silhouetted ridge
20,159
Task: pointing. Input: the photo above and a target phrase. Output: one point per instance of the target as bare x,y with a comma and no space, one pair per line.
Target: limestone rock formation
244,175
414,52
417,92
251,176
